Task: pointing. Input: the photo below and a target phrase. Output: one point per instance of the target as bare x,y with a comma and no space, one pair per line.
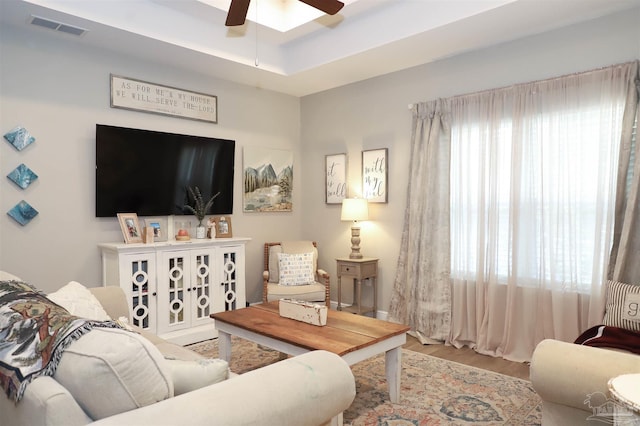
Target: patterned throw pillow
109,371
623,306
296,269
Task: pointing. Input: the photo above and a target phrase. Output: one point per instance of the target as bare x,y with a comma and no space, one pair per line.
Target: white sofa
572,381
311,389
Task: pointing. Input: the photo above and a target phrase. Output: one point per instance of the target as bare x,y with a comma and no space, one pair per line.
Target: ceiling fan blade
237,13
330,7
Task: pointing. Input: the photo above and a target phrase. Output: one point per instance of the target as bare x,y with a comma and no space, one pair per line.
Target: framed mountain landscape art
268,180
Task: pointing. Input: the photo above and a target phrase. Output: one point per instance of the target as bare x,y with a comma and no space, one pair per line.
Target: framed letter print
375,176
130,227
335,169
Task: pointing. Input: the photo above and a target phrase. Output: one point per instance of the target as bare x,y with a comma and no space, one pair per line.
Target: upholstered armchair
299,278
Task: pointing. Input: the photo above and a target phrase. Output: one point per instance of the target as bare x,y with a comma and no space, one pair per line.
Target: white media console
172,287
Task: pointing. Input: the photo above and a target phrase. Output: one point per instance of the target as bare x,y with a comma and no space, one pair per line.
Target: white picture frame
375,175
130,227
159,225
335,178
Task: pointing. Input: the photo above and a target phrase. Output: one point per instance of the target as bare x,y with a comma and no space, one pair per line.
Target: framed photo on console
130,227
159,225
223,227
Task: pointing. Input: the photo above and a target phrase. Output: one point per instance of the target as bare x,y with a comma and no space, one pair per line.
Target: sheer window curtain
422,287
532,190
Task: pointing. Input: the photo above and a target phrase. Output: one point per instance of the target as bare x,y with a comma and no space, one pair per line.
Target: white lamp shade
355,209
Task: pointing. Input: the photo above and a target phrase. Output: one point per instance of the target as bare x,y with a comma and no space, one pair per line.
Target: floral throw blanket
34,332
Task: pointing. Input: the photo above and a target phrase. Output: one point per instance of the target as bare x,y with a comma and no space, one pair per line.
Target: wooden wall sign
138,95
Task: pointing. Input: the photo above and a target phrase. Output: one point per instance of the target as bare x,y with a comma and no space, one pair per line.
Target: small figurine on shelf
211,228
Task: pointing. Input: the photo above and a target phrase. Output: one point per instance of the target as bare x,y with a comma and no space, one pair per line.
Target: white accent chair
317,291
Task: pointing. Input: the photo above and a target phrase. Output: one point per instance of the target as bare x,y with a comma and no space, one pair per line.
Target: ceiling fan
238,9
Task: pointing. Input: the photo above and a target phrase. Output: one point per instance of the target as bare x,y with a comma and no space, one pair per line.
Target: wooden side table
358,270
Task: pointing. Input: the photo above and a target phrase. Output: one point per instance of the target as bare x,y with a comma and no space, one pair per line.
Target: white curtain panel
533,190
422,287
624,265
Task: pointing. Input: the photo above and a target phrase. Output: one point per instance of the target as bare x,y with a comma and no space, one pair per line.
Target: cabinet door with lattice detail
174,291
203,276
138,279
230,293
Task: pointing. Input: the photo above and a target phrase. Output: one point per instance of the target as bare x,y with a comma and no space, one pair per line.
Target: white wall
374,114
58,89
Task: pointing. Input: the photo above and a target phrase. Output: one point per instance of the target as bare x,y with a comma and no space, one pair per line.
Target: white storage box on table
311,313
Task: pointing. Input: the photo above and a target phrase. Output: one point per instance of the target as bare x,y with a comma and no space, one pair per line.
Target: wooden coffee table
353,337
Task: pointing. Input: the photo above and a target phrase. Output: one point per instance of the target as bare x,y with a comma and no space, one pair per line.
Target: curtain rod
538,81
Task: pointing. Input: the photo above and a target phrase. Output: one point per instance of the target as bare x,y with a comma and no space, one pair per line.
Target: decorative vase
201,232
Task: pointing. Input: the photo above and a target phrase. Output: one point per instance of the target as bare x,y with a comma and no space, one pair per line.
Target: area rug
433,391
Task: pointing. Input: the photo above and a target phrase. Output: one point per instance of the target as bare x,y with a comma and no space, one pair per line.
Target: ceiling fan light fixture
330,7
238,9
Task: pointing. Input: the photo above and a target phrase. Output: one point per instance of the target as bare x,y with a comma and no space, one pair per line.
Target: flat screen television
148,172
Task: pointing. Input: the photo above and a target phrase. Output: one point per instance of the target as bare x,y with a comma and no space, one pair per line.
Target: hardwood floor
469,357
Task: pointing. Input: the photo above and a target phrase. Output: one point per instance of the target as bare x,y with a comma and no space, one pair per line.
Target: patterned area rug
434,391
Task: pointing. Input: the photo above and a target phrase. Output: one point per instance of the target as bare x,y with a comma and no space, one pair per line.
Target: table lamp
355,209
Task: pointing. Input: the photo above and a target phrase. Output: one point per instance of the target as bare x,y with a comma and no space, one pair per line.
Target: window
533,179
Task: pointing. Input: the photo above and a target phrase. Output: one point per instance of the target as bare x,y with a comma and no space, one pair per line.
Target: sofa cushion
623,306
113,300
315,292
295,269
109,371
191,375
78,300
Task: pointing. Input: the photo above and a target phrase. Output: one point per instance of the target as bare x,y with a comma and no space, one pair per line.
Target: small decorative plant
198,207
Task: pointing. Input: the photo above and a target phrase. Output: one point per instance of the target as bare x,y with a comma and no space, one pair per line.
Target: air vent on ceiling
57,26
